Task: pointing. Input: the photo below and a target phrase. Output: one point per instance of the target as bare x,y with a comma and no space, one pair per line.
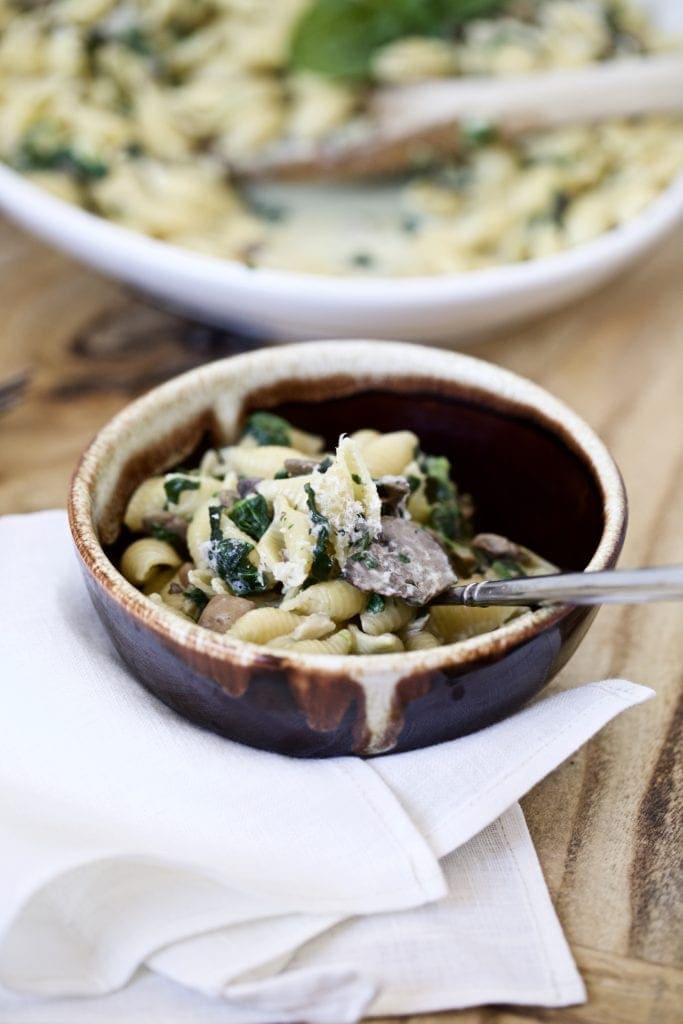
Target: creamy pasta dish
140,111
273,541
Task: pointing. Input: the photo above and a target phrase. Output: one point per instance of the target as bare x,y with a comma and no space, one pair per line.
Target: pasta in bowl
298,549
123,119
140,112
350,662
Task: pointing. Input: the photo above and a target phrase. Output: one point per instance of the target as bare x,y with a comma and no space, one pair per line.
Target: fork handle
613,586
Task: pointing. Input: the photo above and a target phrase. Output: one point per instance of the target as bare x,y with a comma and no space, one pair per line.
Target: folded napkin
160,873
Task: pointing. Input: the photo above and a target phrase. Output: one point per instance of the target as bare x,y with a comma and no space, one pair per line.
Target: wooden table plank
608,823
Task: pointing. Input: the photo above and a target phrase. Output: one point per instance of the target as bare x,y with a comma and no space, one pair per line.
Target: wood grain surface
608,824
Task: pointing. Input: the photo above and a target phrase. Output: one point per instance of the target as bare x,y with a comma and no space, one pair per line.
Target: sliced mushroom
223,611
168,521
393,492
184,574
495,546
228,497
405,561
247,485
301,467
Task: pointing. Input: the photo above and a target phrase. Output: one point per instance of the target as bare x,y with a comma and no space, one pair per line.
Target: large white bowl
284,305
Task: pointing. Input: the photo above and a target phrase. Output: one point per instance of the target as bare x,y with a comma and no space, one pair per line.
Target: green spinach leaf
251,515
445,516
175,486
229,558
267,428
507,568
321,568
174,539
198,598
42,149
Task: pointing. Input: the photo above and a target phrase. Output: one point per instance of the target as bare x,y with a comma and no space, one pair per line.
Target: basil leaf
338,38
175,486
267,428
251,515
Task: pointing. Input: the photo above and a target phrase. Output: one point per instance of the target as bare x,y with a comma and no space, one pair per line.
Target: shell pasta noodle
274,541
137,111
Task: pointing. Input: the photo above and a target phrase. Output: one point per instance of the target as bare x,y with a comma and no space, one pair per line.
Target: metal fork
612,586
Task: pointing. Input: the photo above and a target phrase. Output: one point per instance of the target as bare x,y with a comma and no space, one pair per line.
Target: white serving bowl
285,305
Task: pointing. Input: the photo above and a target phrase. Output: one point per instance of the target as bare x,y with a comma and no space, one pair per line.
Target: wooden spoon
407,125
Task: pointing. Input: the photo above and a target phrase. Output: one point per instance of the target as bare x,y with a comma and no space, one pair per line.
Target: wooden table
607,824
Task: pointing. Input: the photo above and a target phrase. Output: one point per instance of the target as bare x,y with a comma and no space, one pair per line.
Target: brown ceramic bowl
536,471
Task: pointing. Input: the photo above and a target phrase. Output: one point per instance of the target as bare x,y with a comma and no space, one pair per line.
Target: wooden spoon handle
407,124
516,103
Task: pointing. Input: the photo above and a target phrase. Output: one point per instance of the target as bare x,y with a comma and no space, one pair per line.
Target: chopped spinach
445,515
282,474
229,558
136,40
359,547
507,568
376,603
215,513
251,515
410,224
445,518
268,211
134,150
267,428
338,38
356,479
403,557
175,486
162,533
325,465
42,149
560,205
555,212
456,177
478,133
437,470
198,597
322,565
362,259
413,482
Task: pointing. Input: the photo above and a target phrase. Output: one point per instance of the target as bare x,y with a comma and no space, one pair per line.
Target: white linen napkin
139,854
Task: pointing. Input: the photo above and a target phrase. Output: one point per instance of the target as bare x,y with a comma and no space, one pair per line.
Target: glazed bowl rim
506,387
